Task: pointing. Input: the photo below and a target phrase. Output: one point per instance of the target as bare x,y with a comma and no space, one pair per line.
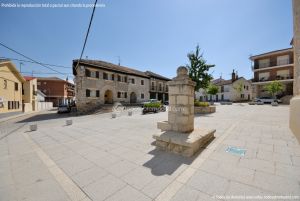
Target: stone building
98,82
228,90
158,86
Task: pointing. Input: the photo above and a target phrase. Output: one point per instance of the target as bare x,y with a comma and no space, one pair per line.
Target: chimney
233,77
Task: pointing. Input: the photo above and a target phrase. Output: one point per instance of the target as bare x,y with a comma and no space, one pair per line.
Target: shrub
201,104
152,105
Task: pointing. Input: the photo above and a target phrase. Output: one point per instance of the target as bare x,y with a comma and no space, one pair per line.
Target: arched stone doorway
108,97
132,97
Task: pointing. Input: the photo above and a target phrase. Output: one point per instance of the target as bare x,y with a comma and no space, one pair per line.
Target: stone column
181,102
178,134
295,102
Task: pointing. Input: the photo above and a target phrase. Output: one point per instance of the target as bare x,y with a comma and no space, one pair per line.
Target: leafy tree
239,89
274,88
212,89
198,69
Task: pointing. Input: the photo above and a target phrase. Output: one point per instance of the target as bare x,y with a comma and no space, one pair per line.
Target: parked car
166,103
150,101
63,109
267,100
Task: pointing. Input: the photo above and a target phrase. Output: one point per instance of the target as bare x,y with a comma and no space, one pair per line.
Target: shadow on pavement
44,117
166,163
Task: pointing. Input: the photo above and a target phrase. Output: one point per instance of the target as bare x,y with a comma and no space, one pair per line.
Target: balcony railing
264,79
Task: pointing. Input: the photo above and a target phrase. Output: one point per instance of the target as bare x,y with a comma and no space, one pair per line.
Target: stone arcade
178,134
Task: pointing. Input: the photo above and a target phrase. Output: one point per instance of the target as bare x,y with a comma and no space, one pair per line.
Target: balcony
272,78
272,64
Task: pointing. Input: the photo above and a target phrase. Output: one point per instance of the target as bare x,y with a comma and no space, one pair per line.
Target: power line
87,34
30,58
58,66
35,72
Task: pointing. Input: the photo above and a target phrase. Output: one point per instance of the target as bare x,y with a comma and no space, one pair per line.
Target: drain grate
237,151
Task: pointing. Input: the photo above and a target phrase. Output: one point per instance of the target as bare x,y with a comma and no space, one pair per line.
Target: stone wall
88,103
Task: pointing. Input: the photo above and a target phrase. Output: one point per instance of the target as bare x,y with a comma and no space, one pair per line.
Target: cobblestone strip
181,179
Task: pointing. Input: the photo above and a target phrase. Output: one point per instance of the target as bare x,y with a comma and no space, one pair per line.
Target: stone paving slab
111,159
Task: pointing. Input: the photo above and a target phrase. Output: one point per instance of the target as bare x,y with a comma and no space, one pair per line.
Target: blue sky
151,35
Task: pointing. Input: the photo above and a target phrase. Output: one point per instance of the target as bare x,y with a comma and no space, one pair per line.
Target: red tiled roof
28,78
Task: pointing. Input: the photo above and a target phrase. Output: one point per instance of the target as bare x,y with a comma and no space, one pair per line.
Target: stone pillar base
295,116
185,144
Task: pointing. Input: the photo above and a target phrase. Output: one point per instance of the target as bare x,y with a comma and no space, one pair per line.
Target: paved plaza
101,158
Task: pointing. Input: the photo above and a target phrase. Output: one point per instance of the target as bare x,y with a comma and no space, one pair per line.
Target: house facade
29,94
57,91
98,82
236,89
276,65
10,88
158,86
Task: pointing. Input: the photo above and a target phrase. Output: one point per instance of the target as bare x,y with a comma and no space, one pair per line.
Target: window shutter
87,73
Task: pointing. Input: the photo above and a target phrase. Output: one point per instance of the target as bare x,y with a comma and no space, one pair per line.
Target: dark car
63,109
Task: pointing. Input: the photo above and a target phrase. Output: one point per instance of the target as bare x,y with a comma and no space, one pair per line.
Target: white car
151,101
267,100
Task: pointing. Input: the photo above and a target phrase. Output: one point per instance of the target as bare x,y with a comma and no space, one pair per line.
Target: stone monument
178,134
295,102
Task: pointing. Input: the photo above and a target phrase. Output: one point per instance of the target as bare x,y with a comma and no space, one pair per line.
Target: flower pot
129,113
113,115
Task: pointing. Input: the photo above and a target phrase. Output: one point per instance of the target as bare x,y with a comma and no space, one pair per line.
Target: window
263,63
97,93
222,96
97,74
132,81
119,94
142,96
112,77
119,78
87,93
125,95
125,79
152,86
242,96
16,86
9,107
247,87
87,73
283,60
142,82
167,88
105,76
264,76
160,87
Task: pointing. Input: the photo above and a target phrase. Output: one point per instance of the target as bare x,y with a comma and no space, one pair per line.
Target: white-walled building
228,90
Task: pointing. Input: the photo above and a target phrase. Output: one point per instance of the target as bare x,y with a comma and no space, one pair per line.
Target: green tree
198,69
274,88
239,88
212,89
